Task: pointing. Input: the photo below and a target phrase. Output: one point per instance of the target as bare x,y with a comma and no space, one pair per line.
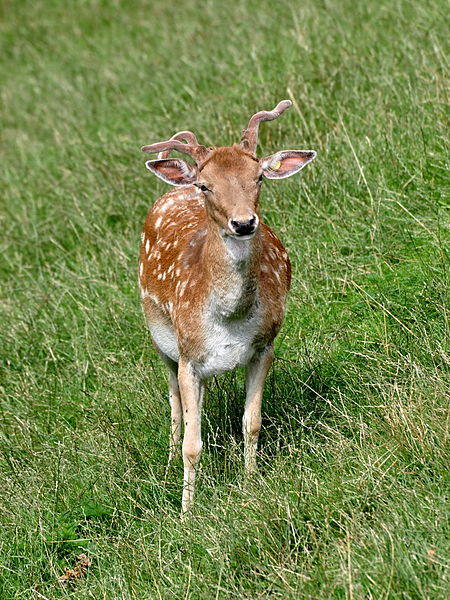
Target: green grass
352,496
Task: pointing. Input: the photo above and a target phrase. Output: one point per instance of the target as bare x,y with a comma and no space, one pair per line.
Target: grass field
352,498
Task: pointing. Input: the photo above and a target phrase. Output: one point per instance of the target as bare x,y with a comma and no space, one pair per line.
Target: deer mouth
242,237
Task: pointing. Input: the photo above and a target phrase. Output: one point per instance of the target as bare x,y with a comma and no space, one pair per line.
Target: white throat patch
239,250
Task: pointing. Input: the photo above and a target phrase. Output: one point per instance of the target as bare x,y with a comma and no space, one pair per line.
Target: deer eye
260,178
203,187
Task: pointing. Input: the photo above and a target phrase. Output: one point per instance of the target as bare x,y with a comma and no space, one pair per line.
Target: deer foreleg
256,375
191,388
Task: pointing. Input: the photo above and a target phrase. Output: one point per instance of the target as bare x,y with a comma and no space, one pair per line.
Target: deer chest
230,342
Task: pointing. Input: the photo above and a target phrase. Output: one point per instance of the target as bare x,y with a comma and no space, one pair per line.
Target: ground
352,496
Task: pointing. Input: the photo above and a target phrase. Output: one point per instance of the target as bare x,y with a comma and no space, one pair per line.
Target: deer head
230,177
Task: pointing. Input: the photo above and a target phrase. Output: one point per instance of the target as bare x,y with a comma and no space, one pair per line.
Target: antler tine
187,136
249,139
197,152
182,136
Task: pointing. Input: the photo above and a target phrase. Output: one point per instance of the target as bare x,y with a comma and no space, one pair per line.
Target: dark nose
244,227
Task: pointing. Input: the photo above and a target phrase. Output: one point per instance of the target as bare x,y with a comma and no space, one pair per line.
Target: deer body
213,280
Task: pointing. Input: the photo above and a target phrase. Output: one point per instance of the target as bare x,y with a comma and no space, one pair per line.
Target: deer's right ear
173,170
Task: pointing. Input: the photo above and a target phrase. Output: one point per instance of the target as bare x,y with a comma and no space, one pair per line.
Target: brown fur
213,283
186,243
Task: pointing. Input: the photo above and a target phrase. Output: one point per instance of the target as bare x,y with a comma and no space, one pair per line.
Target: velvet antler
192,147
182,136
249,139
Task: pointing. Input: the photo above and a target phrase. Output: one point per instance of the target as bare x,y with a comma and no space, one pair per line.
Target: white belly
164,337
229,345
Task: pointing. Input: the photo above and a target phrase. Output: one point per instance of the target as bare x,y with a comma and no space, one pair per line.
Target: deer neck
233,270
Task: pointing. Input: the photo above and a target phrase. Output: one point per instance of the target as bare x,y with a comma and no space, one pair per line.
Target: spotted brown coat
213,278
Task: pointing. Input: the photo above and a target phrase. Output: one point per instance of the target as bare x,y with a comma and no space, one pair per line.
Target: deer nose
244,227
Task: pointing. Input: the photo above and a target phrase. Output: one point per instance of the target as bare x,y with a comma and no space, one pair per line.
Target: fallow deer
213,277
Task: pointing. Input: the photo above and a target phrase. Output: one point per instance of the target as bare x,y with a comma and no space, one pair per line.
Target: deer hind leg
175,404
175,414
256,375
192,389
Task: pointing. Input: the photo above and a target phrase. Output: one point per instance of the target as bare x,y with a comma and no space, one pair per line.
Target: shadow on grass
296,399
300,399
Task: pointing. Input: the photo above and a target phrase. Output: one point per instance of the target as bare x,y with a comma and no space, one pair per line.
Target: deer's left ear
285,163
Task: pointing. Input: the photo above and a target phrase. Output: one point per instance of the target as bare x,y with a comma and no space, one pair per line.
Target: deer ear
285,163
173,170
